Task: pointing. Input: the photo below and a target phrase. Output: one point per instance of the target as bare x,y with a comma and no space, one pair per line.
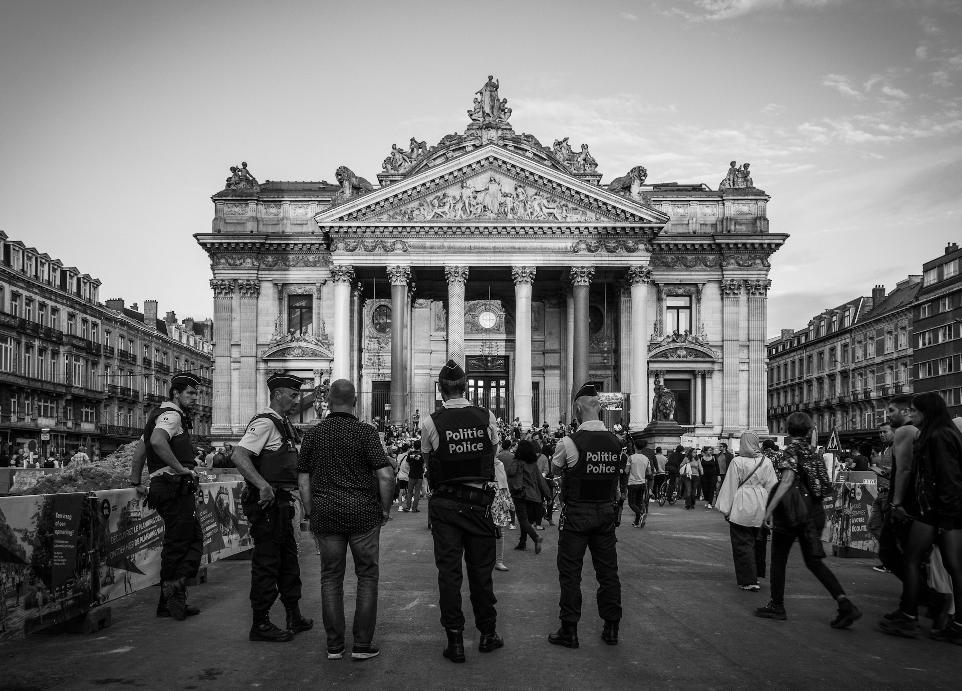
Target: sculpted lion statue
630,185
350,183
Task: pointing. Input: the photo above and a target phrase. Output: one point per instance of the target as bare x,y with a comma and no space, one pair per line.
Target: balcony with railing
161,367
127,356
109,351
147,362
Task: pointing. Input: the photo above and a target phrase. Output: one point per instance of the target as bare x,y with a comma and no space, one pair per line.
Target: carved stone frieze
248,288
271,261
370,246
582,275
523,274
676,290
456,274
731,288
746,261
687,261
341,273
639,274
234,261
272,210
611,246
300,210
221,287
235,209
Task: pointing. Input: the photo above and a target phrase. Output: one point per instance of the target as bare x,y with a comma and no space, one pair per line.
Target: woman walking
933,505
742,499
501,510
709,475
799,460
691,472
534,490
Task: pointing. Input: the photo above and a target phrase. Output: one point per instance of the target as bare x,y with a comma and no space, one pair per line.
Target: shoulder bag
795,508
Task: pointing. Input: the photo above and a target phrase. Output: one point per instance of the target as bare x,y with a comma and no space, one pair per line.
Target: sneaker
753,588
900,625
950,634
401,509
880,569
364,652
707,507
335,653
772,611
848,614
499,566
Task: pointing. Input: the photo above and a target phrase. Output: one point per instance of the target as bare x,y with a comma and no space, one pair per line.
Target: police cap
185,379
588,390
283,381
451,371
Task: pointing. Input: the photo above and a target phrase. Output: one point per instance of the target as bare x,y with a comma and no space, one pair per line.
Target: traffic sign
833,444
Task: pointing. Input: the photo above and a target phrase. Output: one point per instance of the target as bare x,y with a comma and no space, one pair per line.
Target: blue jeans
364,549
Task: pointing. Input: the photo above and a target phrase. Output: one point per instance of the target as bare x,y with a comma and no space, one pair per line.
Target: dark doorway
380,402
491,392
682,389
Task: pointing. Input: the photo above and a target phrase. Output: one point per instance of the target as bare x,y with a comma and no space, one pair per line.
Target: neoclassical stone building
508,256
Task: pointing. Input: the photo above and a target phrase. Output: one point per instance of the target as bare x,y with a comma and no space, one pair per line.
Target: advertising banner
60,554
848,511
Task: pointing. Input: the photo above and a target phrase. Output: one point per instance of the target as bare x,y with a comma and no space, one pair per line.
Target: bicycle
665,490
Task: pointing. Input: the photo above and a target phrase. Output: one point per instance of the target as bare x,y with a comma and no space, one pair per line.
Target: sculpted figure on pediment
737,178
241,178
585,162
630,184
562,149
351,184
490,103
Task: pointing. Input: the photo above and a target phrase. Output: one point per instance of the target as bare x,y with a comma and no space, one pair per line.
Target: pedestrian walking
534,490
933,511
173,488
501,510
266,456
588,460
742,500
412,496
709,475
346,485
691,474
894,532
802,519
458,442
639,473
723,458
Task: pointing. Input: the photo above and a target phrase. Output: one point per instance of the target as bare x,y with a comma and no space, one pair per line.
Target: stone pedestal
666,434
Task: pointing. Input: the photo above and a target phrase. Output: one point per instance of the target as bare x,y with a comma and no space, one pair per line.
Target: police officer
588,461
267,458
173,484
458,442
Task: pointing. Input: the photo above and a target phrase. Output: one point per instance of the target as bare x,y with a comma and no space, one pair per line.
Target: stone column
569,353
457,276
699,379
249,290
280,324
731,297
399,276
743,379
523,278
223,299
757,380
709,397
356,325
580,285
639,278
342,277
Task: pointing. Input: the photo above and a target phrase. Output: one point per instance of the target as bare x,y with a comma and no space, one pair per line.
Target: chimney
951,247
787,333
878,295
115,304
170,318
134,307
189,325
150,314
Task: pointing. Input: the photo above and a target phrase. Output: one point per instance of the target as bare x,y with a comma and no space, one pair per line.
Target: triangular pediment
490,185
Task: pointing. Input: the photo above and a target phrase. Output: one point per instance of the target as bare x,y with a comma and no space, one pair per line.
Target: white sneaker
499,566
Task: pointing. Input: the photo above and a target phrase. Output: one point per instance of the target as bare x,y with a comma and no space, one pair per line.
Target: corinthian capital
758,287
248,288
222,287
639,274
342,273
399,275
456,274
523,274
582,275
731,288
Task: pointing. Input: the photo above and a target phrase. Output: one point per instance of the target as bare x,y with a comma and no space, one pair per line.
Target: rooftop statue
351,184
490,104
630,184
585,162
737,178
241,178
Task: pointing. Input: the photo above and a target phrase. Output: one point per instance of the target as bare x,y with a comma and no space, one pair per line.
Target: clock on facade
487,319
381,319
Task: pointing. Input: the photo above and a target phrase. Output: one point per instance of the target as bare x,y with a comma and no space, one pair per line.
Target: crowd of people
482,479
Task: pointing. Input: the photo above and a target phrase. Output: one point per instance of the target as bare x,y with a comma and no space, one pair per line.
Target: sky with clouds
120,118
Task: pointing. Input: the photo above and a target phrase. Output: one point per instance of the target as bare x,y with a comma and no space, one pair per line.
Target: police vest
180,444
465,452
594,478
278,467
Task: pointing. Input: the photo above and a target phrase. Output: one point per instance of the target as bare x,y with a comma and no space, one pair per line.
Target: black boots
173,594
264,630
490,641
567,636
455,650
610,633
164,611
295,621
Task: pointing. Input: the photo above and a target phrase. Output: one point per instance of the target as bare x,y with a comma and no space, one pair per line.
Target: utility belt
476,496
167,487
282,495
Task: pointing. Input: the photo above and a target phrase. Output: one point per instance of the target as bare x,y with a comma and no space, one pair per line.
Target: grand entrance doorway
491,392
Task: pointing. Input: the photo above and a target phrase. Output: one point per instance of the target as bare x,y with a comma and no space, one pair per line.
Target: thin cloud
629,16
720,10
841,84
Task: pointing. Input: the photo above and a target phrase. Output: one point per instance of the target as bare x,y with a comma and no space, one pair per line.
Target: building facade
938,329
842,368
74,371
509,257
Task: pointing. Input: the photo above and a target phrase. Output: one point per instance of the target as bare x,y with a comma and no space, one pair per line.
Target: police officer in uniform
588,461
267,458
173,486
458,442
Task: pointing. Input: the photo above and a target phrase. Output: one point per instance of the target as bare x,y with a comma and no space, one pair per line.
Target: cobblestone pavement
686,625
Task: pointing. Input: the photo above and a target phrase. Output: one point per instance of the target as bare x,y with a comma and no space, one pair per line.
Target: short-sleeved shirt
171,423
566,453
799,455
638,465
430,441
262,434
342,456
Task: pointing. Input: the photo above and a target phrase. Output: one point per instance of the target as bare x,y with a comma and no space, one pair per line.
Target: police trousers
274,566
463,530
588,526
174,499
